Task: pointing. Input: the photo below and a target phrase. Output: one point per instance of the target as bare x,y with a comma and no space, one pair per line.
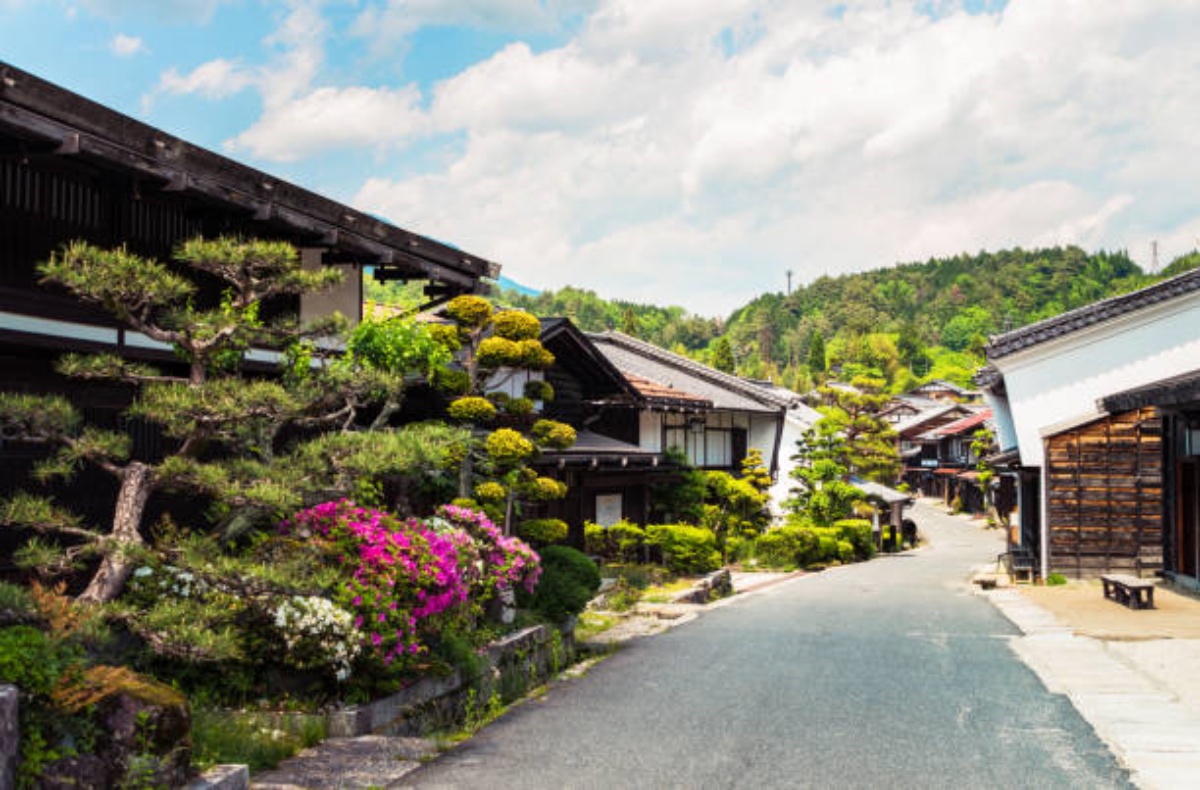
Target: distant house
956,475
946,392
923,470
1096,411
712,417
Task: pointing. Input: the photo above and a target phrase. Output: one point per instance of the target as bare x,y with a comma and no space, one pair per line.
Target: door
1187,522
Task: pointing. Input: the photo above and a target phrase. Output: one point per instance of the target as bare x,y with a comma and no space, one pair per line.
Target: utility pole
1154,257
789,278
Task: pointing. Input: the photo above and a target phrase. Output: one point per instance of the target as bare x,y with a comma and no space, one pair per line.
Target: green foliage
857,532
539,389
542,531
516,325
553,434
518,407
472,409
1055,580
720,355
685,549
259,740
397,345
508,448
499,352
682,499
569,580
469,311
823,494
623,541
490,491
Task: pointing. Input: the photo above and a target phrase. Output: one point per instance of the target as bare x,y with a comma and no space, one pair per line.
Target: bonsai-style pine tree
221,429
492,347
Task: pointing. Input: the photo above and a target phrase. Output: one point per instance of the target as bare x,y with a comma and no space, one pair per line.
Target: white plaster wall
650,431
346,298
792,431
1060,381
761,437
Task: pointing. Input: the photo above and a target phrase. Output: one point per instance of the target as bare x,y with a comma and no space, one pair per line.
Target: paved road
886,674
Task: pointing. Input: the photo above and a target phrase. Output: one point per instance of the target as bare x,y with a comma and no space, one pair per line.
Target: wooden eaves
39,118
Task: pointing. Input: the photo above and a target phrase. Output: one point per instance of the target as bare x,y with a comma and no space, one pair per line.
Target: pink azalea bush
407,579
506,561
403,578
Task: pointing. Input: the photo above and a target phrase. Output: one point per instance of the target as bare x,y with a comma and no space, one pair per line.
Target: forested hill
907,323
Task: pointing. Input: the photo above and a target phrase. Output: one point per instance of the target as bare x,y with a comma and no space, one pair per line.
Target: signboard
608,509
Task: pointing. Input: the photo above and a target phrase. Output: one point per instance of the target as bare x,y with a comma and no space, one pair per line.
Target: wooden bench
1129,590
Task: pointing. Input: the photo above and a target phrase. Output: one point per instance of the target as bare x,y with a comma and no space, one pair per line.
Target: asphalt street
886,674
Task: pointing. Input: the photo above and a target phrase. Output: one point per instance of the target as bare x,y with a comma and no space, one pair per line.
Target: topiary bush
543,531
685,549
569,580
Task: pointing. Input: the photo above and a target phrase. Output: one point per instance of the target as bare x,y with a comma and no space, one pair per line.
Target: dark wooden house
73,169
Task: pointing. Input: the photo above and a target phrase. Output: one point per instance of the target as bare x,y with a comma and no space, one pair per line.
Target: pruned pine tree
491,347
222,429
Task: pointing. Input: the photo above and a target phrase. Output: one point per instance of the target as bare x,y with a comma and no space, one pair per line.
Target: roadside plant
403,577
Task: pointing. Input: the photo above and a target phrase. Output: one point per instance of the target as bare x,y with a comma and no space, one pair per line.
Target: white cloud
692,152
328,118
215,79
124,46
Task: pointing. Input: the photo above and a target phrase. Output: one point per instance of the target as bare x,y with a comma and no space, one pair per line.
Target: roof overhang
41,119
1181,390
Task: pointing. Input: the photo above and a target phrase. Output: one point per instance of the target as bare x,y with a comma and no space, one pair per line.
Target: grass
259,740
590,624
663,593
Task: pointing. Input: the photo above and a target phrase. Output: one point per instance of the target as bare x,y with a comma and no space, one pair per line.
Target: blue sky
675,151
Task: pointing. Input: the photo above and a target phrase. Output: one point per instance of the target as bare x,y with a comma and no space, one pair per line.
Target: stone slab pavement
1134,675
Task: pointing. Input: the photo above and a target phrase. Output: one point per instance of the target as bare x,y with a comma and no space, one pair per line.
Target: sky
687,152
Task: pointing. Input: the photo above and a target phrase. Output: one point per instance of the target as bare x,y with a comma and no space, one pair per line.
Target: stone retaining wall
510,667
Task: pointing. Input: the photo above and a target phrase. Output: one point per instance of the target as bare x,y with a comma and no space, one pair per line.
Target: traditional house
73,169
1094,409
609,476
923,470
952,445
712,417
945,392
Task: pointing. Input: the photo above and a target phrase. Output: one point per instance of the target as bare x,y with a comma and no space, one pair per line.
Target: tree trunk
137,483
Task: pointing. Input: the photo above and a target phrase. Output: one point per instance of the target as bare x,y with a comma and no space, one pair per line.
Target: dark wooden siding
1105,495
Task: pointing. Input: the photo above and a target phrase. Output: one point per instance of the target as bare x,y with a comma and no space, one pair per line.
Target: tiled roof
1105,310
652,390
918,420
965,424
637,358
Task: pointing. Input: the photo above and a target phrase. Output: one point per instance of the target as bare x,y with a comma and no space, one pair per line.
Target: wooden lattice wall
1105,496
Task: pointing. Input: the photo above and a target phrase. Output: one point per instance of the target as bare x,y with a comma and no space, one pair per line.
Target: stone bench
1129,590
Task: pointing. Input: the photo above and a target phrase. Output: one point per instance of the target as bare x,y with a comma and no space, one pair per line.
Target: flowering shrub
318,633
505,562
405,576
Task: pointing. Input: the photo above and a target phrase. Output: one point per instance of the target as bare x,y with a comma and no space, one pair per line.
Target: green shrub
1056,579
569,580
519,407
472,409
788,547
543,531
858,532
629,539
685,549
595,540
33,662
